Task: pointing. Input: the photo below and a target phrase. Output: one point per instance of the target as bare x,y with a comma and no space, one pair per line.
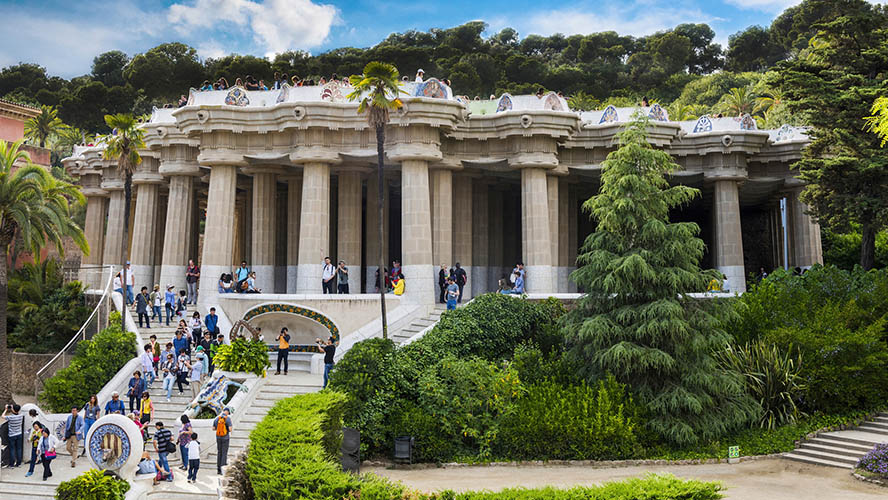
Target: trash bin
404,449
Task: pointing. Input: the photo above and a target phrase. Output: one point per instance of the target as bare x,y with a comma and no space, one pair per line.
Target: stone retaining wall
24,370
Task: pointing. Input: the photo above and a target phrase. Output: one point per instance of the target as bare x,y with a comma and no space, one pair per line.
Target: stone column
144,234
806,246
441,199
573,243
94,230
218,246
416,233
314,227
176,242
372,230
495,237
262,247
462,229
160,231
564,268
294,209
552,198
728,236
349,227
113,251
479,275
535,230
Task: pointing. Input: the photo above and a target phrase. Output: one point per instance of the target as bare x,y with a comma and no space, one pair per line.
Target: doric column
535,234
113,252
349,227
553,200
573,243
218,247
728,235
314,227
806,246
462,229
442,216
479,275
294,209
145,222
372,230
176,241
564,268
262,247
94,230
416,233
495,238
160,231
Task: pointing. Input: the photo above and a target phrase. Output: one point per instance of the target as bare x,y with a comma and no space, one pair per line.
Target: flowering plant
876,461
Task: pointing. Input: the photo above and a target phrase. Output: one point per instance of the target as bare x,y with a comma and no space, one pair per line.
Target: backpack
221,427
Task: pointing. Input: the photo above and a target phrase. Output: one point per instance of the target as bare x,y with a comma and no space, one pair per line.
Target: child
193,458
180,305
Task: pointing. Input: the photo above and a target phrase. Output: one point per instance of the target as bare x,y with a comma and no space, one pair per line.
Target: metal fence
92,277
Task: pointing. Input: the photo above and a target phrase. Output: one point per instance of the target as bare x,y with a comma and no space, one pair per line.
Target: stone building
283,178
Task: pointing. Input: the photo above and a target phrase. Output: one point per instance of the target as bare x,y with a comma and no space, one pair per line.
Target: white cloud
276,25
639,19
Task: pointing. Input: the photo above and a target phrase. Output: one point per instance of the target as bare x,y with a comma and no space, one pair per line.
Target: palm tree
43,126
37,207
738,102
123,145
581,101
682,113
773,99
377,90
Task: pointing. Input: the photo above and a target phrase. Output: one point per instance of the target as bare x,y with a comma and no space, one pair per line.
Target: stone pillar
113,251
176,242
416,233
294,209
552,198
94,230
535,233
314,227
262,248
573,243
728,236
441,199
495,237
160,232
144,234
372,230
218,248
462,229
563,237
349,227
806,247
479,275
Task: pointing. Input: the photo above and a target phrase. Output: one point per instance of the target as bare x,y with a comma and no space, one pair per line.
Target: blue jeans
183,454
451,304
162,458
193,465
168,385
169,311
327,368
155,310
15,443
87,423
130,297
33,460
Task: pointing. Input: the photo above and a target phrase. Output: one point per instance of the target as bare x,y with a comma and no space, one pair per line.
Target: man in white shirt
420,74
130,280
327,276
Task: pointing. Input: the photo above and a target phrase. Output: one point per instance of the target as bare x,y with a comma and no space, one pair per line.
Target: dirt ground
771,479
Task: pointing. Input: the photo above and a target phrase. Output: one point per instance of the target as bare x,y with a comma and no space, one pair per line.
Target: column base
478,280
422,284
308,278
563,283
370,279
539,279
280,279
354,279
144,276
291,279
175,275
264,277
736,281
208,286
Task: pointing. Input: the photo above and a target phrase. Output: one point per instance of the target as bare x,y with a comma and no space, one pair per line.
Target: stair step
858,437
835,450
833,457
817,461
826,441
875,426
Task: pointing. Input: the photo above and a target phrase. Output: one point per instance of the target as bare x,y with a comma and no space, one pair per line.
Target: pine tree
637,320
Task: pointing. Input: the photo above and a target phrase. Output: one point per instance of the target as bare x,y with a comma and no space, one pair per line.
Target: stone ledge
597,464
860,477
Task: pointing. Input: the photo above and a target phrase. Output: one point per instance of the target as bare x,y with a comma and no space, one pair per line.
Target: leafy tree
833,89
637,320
752,50
581,101
166,71
738,102
37,207
234,66
108,68
377,91
708,90
706,56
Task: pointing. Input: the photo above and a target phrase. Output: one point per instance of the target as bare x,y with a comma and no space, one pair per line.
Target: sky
64,35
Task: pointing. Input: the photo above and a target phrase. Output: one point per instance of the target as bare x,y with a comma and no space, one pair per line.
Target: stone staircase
418,325
842,448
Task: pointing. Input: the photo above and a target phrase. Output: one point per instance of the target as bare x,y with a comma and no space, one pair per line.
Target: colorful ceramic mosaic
658,113
109,446
505,104
704,124
284,94
237,97
332,92
784,133
463,99
553,103
431,88
747,123
212,395
609,115
300,311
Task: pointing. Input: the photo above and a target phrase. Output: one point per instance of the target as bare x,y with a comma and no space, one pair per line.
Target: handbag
49,455
171,447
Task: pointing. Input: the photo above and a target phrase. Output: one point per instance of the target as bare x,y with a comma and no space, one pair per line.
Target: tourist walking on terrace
342,277
130,280
118,285
181,307
91,412
222,426
461,278
329,350
47,451
147,359
183,365
143,302
180,343
192,275
184,439
196,327
146,410
169,369
156,301
34,441
442,283
169,299
73,434
452,293
196,372
115,405
211,320
16,426
136,388
327,276
193,458
162,444
283,340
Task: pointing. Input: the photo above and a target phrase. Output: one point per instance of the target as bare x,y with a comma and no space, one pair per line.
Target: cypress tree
637,320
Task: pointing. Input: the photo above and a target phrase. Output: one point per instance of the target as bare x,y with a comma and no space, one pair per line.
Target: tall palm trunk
380,199
5,354
127,201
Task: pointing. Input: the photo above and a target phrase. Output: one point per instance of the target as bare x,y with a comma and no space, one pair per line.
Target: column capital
407,151
448,163
221,157
534,160
179,167
147,178
263,169
353,168
113,184
315,154
94,191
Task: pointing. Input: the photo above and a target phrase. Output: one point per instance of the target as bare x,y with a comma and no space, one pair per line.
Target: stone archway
304,324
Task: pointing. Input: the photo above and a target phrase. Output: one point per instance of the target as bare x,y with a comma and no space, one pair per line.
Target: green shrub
242,355
92,485
95,362
551,421
652,487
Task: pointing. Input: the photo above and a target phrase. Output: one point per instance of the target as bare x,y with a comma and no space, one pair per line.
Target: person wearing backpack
164,445
222,426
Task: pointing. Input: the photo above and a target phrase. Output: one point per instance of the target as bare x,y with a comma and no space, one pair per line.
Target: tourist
169,299
214,346
200,355
461,278
327,276
169,350
283,340
183,100
155,351
196,373
206,86
540,93
241,274
211,320
399,284
518,289
147,359
181,307
192,276
644,102
16,427
223,84
134,416
183,364
183,439
442,283
262,85
196,327
277,81
329,350
193,450
251,83
169,369
503,285
162,441
251,284
180,343
285,80
148,467
238,82
142,301
420,74
73,434
226,284
761,275
136,387
452,293
47,451
342,277
130,281
222,426
396,270
34,440
91,412
146,409
115,406
118,285
156,301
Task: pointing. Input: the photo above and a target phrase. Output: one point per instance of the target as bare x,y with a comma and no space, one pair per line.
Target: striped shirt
162,439
16,423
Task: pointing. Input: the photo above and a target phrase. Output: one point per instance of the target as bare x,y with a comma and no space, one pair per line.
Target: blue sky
64,36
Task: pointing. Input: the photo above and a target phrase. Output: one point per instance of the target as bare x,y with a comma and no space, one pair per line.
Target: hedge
93,485
293,454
